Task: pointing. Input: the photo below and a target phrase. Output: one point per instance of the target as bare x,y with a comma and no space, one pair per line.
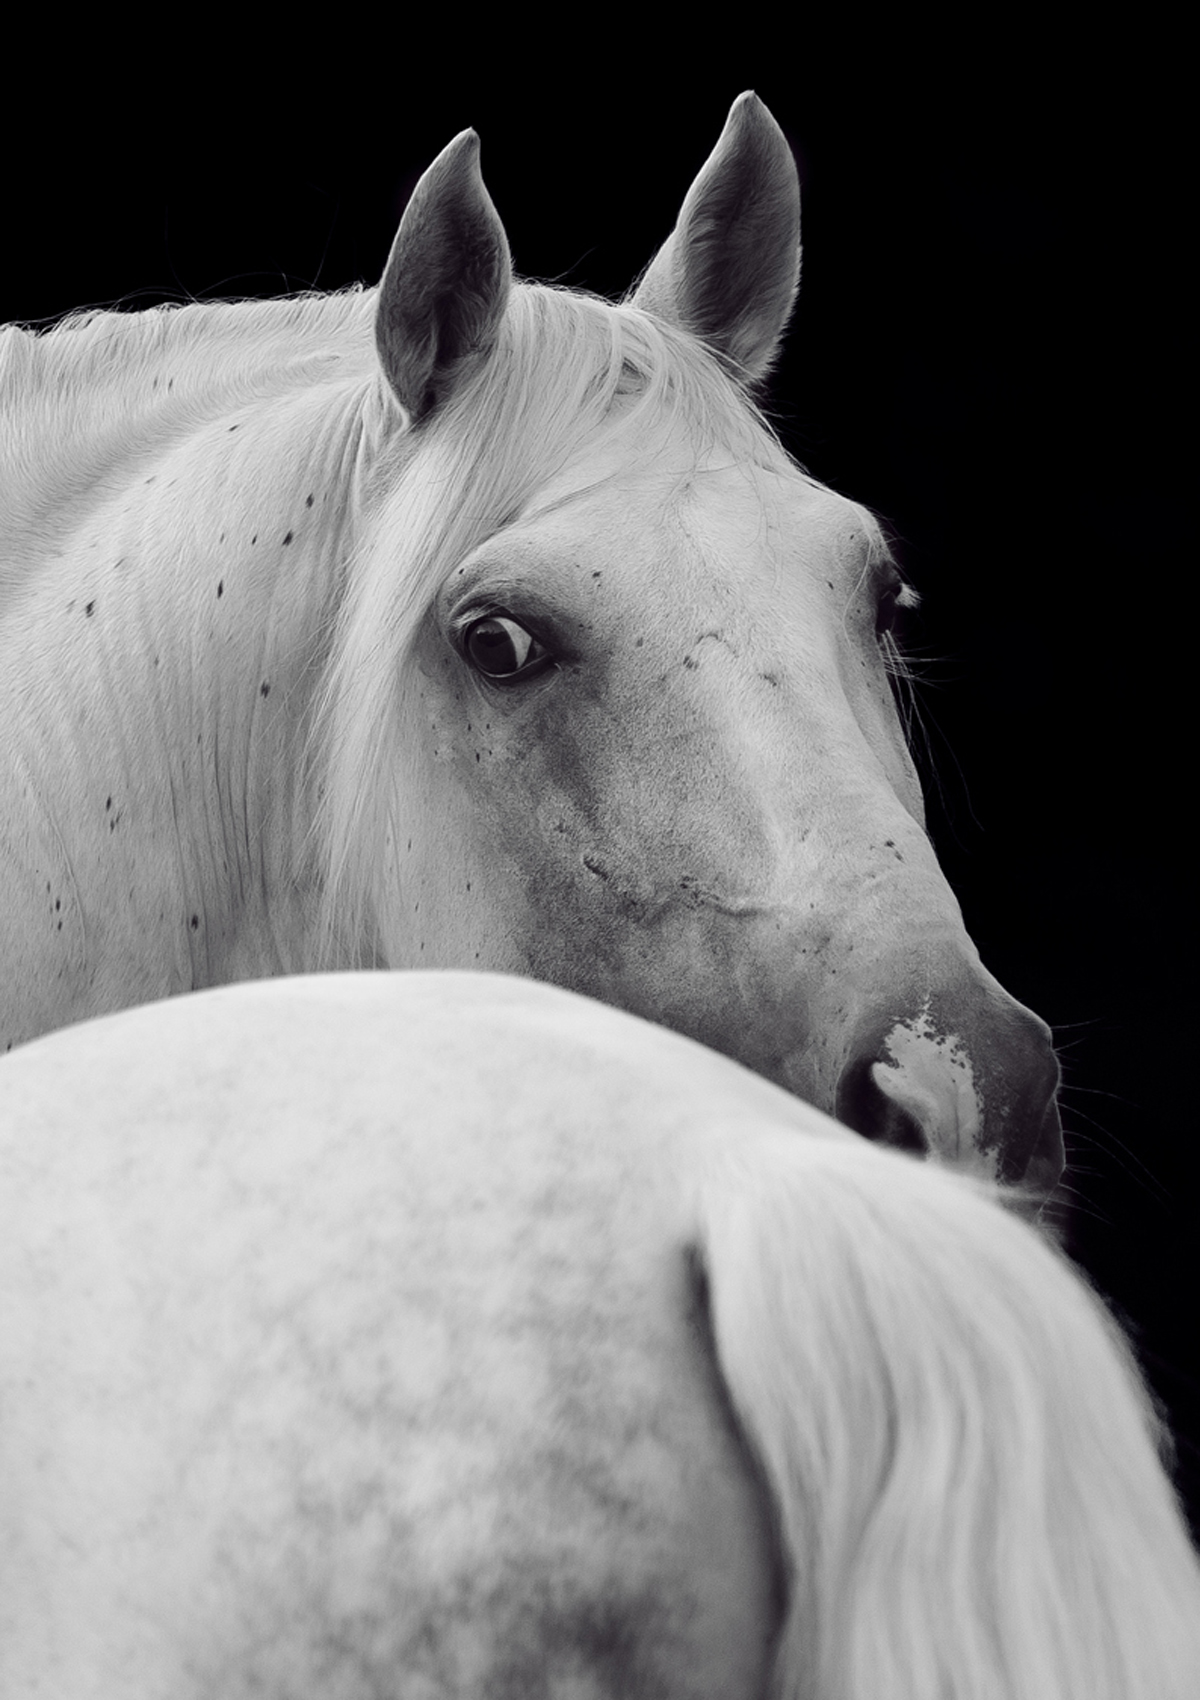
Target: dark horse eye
501,649
887,610
893,600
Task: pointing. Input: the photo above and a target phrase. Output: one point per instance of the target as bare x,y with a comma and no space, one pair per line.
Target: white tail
963,1458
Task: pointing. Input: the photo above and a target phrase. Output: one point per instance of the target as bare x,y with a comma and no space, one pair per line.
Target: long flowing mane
96,361
573,379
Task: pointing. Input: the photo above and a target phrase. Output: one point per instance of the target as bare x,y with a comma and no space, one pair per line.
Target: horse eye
894,597
499,648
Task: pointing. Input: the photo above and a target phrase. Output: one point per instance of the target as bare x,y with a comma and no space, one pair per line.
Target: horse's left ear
730,269
446,283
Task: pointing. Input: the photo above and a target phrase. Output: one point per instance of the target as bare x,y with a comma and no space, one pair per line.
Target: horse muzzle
960,1072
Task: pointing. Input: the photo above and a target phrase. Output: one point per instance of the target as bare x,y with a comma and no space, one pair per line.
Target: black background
987,351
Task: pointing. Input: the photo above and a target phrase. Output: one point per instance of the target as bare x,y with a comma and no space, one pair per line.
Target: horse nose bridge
808,789
943,1061
867,863
833,800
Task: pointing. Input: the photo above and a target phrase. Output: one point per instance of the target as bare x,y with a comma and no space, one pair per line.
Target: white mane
95,360
83,403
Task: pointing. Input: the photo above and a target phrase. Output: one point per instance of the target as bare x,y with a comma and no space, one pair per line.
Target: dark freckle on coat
264,690
690,663
288,539
254,539
220,587
57,903
108,803
771,678
595,867
638,642
308,501
595,575
195,922
88,608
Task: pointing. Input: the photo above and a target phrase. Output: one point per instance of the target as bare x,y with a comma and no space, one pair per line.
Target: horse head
641,669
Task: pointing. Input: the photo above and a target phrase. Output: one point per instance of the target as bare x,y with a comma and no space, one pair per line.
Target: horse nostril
862,1106
972,1087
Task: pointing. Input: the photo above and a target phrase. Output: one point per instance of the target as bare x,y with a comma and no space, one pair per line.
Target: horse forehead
718,515
740,512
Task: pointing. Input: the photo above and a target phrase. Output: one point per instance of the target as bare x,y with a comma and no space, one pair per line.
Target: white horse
432,1335
467,623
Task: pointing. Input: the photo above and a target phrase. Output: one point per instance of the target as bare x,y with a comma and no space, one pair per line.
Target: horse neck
97,402
169,605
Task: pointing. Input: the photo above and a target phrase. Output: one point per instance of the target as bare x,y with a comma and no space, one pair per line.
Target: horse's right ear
445,284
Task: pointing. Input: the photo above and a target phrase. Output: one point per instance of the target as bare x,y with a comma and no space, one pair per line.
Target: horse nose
968,1076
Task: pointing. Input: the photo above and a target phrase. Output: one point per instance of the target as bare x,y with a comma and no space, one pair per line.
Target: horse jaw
730,269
